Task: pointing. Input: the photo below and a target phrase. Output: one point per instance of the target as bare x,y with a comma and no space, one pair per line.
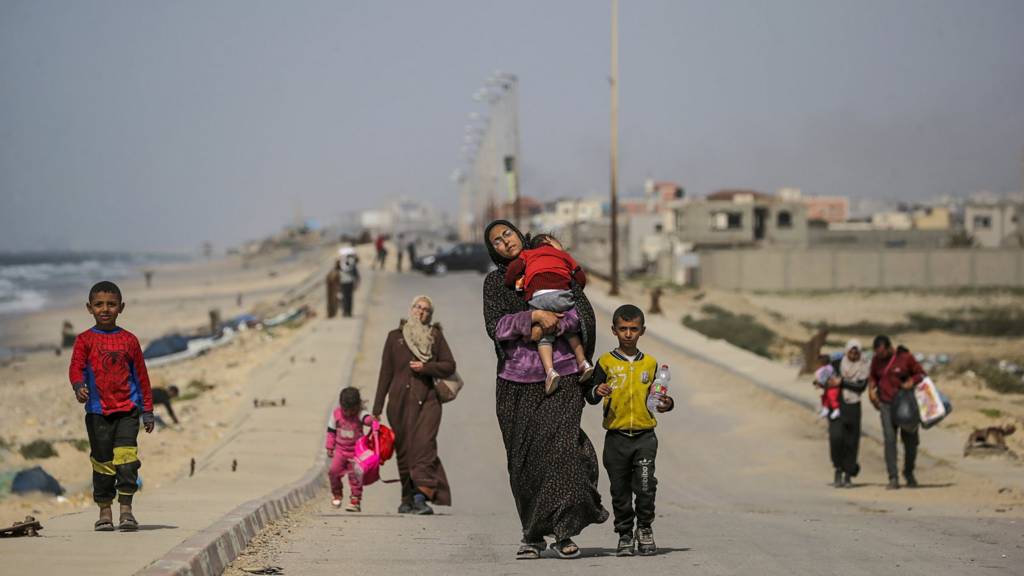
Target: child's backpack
367,457
387,443
372,450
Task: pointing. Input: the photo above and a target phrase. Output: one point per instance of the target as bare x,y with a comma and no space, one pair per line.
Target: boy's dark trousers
114,453
629,461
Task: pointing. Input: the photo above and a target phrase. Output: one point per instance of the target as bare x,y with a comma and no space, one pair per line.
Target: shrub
37,450
740,330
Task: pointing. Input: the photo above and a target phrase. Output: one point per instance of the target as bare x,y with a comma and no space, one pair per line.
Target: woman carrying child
414,354
552,465
851,375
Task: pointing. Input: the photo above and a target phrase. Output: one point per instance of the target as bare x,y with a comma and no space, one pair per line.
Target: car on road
460,256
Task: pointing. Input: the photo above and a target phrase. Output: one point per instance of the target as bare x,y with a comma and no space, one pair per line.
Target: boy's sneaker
823,413
834,415
626,544
353,505
551,382
587,371
645,541
336,502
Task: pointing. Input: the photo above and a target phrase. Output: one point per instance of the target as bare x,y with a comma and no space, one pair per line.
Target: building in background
732,218
932,218
831,209
995,224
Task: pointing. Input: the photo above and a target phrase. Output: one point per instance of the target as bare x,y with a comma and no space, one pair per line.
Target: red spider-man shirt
110,364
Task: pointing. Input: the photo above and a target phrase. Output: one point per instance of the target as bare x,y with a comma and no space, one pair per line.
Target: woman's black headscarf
500,301
499,260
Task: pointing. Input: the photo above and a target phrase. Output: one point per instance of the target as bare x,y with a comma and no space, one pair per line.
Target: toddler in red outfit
545,273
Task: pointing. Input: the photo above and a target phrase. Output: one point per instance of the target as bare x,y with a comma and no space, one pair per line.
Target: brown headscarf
419,336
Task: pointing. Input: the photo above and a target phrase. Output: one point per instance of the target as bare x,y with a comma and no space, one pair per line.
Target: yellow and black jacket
625,410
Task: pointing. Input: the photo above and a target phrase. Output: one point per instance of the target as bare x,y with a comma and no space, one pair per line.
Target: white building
995,224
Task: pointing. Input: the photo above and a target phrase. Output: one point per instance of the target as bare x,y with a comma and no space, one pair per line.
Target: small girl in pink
344,429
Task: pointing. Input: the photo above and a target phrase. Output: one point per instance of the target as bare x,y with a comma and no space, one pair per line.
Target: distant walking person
414,354
844,432
333,283
349,280
382,252
892,371
399,252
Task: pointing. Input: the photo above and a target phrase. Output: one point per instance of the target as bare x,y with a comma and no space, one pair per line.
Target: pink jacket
343,433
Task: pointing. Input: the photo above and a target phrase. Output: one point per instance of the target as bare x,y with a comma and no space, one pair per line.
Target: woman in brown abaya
414,354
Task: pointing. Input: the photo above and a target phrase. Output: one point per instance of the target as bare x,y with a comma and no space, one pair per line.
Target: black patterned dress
552,465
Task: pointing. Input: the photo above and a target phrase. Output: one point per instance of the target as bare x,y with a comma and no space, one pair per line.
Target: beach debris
191,467
35,479
263,403
990,441
293,316
264,570
234,465
28,527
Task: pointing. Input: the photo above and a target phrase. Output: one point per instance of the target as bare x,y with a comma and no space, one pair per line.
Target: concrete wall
780,270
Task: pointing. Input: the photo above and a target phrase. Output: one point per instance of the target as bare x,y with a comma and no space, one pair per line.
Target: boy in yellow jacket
622,379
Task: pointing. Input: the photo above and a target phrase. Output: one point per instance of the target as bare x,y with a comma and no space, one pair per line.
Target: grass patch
998,380
80,444
5,444
740,330
992,412
956,291
996,321
37,450
194,389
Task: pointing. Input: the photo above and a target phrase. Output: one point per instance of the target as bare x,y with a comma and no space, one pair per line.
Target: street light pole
614,78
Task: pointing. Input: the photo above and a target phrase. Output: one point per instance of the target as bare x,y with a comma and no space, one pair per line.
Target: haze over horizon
157,126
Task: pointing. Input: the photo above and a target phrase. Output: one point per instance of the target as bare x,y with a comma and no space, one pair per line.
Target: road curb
211,550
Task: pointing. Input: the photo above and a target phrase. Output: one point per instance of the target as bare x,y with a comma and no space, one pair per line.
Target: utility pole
614,78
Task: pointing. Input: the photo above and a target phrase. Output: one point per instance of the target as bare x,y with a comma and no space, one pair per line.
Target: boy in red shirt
109,376
545,273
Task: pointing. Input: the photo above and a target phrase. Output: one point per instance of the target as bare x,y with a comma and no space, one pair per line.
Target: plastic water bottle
659,389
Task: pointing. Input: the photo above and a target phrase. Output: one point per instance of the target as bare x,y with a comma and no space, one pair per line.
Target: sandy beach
38,403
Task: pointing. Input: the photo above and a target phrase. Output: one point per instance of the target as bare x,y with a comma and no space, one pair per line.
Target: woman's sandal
104,525
128,523
529,551
566,549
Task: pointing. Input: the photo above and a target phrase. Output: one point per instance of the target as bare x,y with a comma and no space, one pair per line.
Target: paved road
743,485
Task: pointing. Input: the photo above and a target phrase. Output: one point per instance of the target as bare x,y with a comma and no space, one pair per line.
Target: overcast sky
157,125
